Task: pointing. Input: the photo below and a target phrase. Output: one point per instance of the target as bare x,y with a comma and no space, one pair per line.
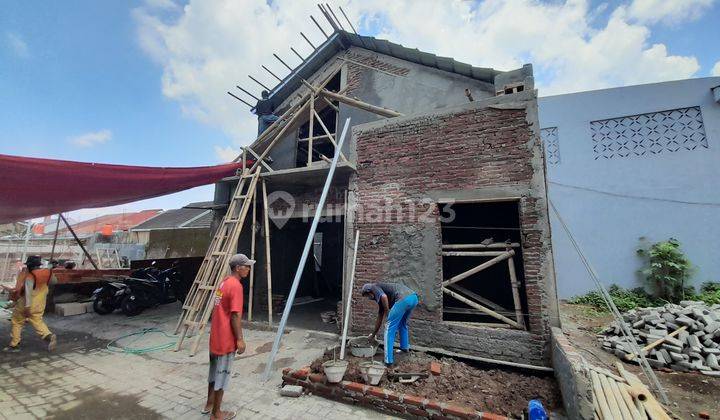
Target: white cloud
17,45
226,154
91,139
716,69
209,46
668,11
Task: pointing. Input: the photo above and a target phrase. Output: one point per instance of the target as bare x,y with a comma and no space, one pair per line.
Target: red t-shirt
228,299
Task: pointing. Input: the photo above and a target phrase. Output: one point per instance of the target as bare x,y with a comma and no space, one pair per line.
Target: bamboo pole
304,255
330,136
479,268
268,265
600,400
624,410
360,104
497,245
610,397
480,307
477,297
642,395
346,316
625,393
252,257
472,253
515,292
311,124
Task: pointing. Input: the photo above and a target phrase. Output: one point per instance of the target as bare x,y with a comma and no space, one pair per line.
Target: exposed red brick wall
471,149
355,72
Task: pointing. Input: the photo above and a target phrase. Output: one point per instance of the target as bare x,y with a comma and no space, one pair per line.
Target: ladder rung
206,287
191,323
189,307
231,220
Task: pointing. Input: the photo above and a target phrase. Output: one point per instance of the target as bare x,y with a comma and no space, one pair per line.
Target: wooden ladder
198,306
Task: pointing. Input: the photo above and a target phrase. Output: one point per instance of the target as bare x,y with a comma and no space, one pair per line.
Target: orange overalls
41,277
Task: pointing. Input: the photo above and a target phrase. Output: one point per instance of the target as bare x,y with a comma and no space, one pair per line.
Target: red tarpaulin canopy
31,187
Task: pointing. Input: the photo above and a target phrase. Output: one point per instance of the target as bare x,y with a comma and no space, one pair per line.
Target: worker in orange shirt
30,293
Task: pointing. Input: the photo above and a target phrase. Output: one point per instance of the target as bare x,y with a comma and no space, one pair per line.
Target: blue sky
128,83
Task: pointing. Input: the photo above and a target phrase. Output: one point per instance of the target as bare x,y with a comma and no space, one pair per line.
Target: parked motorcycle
150,287
108,298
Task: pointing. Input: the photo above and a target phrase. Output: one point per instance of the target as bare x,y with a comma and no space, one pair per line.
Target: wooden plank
496,245
479,268
480,307
515,292
624,410
477,297
657,342
610,398
268,265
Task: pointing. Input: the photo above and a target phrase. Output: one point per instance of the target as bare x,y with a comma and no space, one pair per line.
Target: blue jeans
265,121
397,320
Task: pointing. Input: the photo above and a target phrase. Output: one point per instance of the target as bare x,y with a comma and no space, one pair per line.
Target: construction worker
396,302
264,111
30,293
226,337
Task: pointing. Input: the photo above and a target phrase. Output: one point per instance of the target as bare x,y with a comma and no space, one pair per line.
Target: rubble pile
696,348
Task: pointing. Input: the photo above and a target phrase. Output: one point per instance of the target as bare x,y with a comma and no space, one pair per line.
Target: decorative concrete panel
552,144
649,134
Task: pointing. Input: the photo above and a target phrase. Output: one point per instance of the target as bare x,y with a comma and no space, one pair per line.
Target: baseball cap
240,259
367,288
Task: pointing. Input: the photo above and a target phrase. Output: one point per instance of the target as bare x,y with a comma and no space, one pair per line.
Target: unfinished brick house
442,173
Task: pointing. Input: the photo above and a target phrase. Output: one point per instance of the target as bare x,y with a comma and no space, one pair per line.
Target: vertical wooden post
268,265
311,122
516,294
252,257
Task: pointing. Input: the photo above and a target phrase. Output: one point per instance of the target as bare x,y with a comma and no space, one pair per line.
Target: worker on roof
264,111
30,293
396,302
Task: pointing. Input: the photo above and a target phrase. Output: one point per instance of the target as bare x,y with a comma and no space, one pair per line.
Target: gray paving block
712,361
291,391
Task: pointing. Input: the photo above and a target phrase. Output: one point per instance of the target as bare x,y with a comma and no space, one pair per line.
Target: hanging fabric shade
32,187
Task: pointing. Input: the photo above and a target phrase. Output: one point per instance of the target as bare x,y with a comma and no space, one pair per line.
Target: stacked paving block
697,348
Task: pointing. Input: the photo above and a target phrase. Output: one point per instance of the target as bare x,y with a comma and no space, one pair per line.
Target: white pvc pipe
306,251
349,298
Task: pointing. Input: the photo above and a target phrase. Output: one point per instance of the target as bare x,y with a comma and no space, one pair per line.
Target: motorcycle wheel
102,306
130,307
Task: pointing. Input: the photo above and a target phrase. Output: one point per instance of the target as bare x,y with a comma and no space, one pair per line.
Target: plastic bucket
335,370
361,347
372,372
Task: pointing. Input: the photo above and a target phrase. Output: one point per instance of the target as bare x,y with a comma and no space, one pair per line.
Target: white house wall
609,196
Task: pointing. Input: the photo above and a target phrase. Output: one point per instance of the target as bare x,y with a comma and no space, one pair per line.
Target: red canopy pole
87,254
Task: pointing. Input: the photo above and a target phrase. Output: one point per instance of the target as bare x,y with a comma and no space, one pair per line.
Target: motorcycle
108,298
151,287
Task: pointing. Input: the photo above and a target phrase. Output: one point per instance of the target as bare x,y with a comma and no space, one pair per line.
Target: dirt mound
495,390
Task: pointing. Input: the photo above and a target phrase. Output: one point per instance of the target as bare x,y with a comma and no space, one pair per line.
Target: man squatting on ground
396,302
30,294
226,336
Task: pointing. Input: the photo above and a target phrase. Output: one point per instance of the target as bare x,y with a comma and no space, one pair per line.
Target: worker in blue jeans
396,302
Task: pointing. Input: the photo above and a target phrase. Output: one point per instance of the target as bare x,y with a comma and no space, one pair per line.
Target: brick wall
356,72
470,149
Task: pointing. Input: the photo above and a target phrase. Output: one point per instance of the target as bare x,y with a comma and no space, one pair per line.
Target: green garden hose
126,348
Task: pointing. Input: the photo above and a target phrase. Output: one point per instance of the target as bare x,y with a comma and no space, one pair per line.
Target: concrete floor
82,379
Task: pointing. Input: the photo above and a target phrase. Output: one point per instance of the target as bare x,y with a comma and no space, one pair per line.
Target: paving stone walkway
82,379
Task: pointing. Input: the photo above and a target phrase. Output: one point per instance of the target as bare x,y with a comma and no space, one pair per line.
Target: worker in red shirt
226,338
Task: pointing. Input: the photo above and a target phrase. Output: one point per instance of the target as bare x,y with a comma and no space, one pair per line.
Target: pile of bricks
381,399
695,348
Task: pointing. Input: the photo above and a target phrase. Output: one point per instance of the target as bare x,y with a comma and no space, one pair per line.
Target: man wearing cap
226,338
30,294
396,302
